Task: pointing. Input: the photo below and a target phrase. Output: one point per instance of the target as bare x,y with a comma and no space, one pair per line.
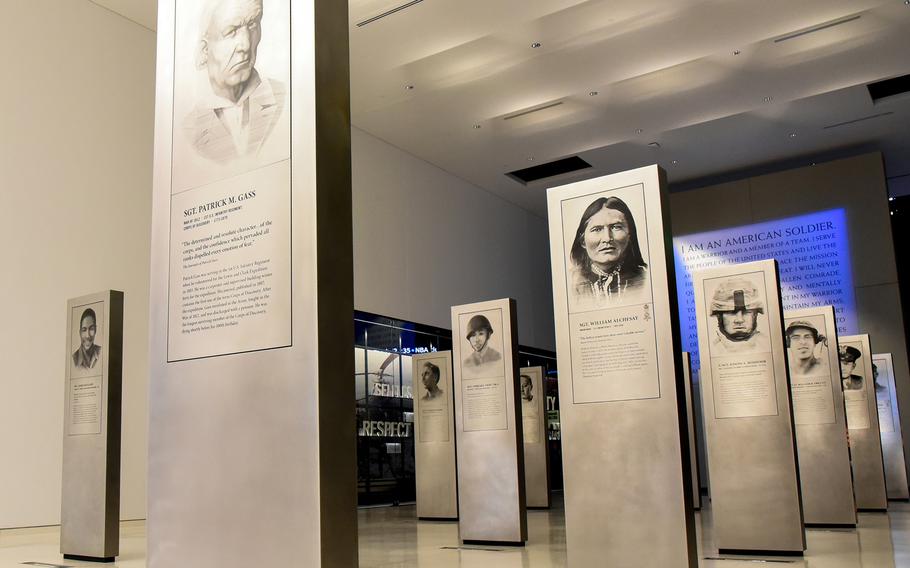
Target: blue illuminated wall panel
812,253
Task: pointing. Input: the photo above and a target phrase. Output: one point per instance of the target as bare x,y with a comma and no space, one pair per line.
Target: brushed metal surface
892,442
90,500
824,454
434,461
536,449
755,492
252,457
866,443
626,472
491,485
693,448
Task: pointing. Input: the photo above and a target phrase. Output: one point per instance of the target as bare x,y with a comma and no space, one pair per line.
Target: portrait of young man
737,307
429,378
803,342
848,356
88,355
483,359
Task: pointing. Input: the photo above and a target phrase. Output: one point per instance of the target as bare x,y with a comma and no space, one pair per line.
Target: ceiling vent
855,120
388,13
818,28
889,88
550,169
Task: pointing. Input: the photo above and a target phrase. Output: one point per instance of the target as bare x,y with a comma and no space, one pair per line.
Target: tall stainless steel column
862,421
252,438
625,442
755,492
491,480
534,432
818,412
434,436
693,447
90,511
889,422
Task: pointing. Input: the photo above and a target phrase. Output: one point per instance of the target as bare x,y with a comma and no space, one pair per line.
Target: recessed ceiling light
595,93
793,135
736,52
654,144
891,198
535,45
638,131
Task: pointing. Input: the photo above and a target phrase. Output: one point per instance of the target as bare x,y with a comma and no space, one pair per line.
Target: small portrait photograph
606,244
429,381
231,88
807,346
736,305
482,344
85,340
529,396
851,371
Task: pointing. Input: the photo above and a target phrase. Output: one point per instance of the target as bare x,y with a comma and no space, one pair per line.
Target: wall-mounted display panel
491,481
889,423
621,380
746,404
826,480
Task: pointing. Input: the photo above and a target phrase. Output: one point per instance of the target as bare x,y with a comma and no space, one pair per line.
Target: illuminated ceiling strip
855,120
524,112
388,13
818,28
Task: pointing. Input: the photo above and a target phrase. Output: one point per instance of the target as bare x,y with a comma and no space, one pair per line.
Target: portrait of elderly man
429,377
238,108
848,356
802,339
88,354
736,305
483,357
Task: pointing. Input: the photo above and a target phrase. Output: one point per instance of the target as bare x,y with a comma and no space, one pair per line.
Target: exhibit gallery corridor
391,537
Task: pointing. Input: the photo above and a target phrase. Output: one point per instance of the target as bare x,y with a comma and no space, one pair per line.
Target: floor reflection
391,537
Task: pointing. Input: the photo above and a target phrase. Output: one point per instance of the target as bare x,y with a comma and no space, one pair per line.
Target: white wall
75,173
425,240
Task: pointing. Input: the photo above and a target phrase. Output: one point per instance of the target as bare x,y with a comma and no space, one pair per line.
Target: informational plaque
889,423
621,375
230,206
810,335
745,390
690,415
862,420
533,427
434,450
491,477
90,512
252,288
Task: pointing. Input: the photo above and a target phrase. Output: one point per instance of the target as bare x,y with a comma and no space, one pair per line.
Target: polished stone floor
390,537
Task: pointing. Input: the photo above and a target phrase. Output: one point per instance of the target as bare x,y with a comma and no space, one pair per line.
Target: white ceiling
665,68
